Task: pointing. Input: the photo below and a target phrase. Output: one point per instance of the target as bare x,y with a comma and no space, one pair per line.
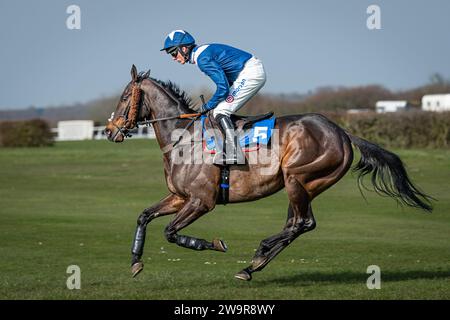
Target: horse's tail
389,175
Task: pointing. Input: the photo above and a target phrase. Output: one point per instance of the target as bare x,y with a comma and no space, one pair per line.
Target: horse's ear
134,74
146,75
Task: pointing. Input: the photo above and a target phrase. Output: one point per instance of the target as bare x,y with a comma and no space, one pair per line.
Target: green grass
77,203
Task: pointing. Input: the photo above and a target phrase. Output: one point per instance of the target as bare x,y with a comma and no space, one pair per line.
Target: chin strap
185,55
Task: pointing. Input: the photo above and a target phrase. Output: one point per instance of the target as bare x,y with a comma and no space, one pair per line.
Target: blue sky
303,44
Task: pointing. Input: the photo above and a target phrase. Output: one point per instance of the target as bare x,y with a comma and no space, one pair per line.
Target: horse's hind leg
193,210
300,220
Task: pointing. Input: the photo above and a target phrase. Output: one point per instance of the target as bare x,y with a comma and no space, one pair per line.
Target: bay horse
313,153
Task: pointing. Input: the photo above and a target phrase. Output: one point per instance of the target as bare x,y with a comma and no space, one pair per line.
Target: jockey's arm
213,70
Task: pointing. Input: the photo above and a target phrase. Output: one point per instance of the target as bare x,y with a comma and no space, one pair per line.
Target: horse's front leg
192,210
170,204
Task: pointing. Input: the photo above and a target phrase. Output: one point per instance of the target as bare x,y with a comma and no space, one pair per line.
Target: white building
391,106
75,130
436,102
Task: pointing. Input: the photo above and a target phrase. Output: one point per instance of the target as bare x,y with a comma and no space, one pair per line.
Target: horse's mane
173,89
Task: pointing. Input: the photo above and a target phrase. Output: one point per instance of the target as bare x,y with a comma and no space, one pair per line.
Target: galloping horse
313,153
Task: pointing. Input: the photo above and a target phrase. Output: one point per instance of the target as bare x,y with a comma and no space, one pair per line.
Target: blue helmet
178,38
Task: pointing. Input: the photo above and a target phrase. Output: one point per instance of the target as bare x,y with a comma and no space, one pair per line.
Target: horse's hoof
136,268
219,245
258,263
243,275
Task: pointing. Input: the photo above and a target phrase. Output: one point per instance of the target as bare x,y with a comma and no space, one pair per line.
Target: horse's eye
125,98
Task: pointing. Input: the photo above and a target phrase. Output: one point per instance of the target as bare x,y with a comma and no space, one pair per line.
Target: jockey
237,74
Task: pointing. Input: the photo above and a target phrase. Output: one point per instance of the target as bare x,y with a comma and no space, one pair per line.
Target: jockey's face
179,57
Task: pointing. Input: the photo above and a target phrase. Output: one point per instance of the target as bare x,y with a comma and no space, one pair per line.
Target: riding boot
231,152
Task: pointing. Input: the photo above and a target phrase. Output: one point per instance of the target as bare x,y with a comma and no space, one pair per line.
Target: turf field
76,204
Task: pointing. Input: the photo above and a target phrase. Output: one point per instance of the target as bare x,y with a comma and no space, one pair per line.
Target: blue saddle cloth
258,134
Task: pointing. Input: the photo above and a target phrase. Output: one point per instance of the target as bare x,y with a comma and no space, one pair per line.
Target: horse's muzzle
113,135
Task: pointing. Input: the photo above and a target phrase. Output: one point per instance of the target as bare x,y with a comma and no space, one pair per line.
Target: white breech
247,84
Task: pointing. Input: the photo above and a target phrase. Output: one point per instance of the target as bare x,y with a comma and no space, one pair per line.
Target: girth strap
224,184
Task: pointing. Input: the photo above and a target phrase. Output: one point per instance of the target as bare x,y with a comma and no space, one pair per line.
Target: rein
192,116
181,116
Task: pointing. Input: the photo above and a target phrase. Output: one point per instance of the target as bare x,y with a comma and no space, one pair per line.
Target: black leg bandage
193,243
139,240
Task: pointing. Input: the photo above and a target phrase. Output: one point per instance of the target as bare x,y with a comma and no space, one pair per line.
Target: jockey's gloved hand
204,110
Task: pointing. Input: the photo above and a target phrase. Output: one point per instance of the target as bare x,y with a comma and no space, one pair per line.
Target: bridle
131,113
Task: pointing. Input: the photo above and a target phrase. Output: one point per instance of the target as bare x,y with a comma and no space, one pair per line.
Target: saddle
244,122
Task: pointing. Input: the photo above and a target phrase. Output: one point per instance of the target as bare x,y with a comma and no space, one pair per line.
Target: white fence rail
97,133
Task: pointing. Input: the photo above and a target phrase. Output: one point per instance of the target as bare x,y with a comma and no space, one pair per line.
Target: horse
313,153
